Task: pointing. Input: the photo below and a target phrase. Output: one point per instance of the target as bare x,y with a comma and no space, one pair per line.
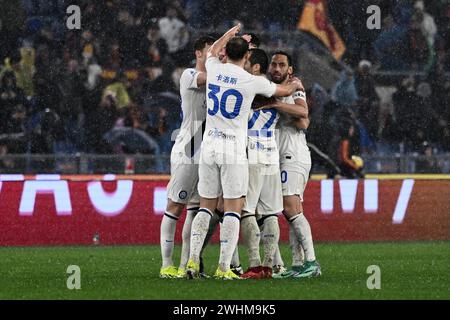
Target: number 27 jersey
230,93
262,145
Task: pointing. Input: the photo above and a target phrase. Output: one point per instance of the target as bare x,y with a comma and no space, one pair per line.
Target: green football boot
308,270
287,273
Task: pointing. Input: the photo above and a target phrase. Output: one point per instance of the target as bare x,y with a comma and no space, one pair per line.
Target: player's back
262,146
230,93
193,107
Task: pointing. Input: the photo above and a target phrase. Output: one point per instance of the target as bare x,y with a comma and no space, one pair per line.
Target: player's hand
235,30
247,38
298,82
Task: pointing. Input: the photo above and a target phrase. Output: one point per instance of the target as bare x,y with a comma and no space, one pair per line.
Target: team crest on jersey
182,195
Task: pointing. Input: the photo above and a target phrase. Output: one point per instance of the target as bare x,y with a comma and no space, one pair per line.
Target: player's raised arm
222,41
197,78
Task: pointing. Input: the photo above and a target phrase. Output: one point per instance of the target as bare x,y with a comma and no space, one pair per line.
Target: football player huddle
239,159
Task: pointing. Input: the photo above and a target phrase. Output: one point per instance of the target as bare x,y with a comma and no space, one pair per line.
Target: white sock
229,236
191,212
270,240
167,236
199,229
298,256
303,233
251,234
277,260
213,223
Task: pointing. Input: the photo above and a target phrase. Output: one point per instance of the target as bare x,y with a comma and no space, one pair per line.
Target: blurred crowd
65,92
414,34
414,120
413,117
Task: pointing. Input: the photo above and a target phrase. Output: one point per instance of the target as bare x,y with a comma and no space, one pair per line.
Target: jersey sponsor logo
216,133
260,146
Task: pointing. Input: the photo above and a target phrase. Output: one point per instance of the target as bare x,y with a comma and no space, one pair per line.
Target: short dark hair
259,56
201,42
284,53
255,40
236,48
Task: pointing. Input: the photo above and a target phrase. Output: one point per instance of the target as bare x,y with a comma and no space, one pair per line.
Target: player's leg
234,179
213,223
167,235
296,180
251,236
229,236
249,226
302,231
192,210
235,264
181,187
209,189
199,230
270,205
278,263
215,220
300,227
270,239
298,256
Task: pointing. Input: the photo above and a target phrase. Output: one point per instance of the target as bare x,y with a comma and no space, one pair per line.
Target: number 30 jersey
230,93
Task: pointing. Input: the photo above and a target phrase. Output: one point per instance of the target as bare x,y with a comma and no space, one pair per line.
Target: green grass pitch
408,271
